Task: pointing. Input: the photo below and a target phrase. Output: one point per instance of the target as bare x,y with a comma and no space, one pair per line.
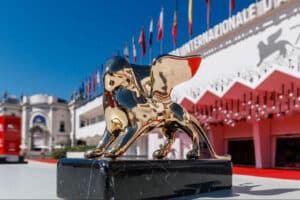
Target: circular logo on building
39,119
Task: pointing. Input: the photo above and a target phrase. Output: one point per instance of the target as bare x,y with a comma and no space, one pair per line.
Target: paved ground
38,181
251,187
28,181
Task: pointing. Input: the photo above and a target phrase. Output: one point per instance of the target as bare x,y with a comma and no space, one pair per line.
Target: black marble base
140,179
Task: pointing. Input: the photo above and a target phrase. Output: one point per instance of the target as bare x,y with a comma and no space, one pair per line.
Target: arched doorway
39,138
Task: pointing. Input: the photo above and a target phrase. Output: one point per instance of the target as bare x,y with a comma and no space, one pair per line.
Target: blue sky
51,46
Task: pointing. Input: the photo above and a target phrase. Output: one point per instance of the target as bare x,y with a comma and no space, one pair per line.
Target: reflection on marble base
140,179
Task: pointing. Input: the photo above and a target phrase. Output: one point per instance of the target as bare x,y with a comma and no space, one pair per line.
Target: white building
46,123
10,106
87,121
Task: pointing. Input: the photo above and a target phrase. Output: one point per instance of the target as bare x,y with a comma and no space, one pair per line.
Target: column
216,137
72,109
24,129
73,122
262,143
51,128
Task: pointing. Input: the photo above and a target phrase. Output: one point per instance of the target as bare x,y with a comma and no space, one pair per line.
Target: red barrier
269,173
10,135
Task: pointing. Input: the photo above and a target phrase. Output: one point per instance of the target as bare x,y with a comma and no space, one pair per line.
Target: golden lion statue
136,99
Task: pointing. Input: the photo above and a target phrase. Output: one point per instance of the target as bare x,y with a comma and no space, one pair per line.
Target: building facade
87,121
46,123
246,93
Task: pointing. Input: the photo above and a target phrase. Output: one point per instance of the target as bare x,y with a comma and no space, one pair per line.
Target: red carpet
270,173
52,161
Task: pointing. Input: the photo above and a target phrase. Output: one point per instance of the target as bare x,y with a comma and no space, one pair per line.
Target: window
82,124
62,127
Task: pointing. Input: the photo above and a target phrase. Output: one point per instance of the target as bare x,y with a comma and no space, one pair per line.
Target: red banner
10,135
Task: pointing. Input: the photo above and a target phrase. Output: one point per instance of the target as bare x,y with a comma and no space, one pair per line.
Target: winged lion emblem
272,45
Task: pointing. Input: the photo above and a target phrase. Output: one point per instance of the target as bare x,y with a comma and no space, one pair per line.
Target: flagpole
208,25
150,55
208,13
208,19
161,30
161,46
162,39
150,39
229,8
190,18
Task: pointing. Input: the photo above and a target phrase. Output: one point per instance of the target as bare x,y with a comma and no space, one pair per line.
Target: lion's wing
274,36
168,71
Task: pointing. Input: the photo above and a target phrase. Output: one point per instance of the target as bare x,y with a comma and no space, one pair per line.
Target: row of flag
92,85
160,29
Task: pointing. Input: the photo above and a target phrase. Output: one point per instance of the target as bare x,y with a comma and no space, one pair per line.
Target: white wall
61,114
9,110
91,130
89,110
96,103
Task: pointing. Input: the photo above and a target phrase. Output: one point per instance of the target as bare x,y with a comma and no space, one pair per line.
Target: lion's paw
93,153
111,153
193,154
158,154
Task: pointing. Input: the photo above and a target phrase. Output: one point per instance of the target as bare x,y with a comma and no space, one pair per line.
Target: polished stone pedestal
140,179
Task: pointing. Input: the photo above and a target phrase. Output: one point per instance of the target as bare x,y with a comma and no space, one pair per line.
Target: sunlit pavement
28,181
38,181
251,187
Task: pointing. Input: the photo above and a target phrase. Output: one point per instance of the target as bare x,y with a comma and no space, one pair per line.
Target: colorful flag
81,90
142,41
90,85
174,27
190,17
160,25
133,50
150,32
126,52
87,90
95,82
232,5
208,13
98,79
